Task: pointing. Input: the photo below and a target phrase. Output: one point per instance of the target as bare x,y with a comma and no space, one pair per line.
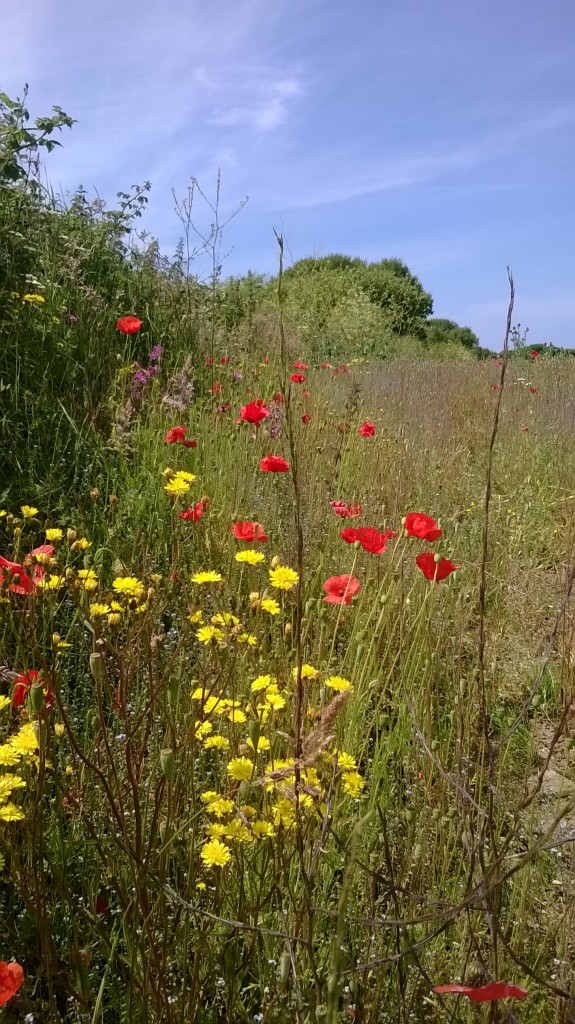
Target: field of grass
227,799
286,643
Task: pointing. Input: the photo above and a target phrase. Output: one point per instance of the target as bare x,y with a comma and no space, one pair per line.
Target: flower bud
97,668
437,558
275,562
167,763
71,536
17,531
36,695
59,729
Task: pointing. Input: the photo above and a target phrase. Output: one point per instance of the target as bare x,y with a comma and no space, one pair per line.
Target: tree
20,142
442,332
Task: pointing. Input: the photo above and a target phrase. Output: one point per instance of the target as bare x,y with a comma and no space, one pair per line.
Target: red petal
485,993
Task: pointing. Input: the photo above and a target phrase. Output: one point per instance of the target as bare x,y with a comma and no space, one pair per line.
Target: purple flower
156,353
238,374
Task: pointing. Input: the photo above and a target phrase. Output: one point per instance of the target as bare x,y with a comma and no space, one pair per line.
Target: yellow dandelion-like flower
202,729
250,557
3,513
8,783
216,742
209,634
338,683
59,644
129,586
4,702
345,761
353,783
307,672
207,576
99,609
248,638
8,756
196,618
51,582
283,578
240,768
238,832
24,742
275,701
9,812
263,829
59,730
216,830
54,534
262,683
220,807
88,579
262,744
181,474
28,511
270,605
225,619
236,716
33,298
82,544
209,796
284,813
201,886
215,854
114,619
176,486
248,811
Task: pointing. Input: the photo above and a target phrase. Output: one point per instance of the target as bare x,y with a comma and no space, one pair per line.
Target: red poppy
341,589
21,583
345,511
435,570
534,355
194,512
343,368
370,539
486,993
254,412
274,464
175,435
189,443
367,429
249,530
208,361
325,366
225,407
216,389
300,366
306,417
417,524
224,360
11,977
298,378
21,685
129,324
533,391
278,398
495,387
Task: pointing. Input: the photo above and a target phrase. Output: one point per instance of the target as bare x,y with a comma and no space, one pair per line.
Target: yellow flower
283,578
338,683
250,557
33,298
176,486
24,742
262,744
284,813
59,730
8,756
82,544
263,829
88,578
275,701
237,831
9,812
353,783
215,854
59,644
201,886
99,609
4,702
207,576
3,513
248,811
307,672
269,605
216,830
114,619
209,796
8,783
225,619
241,769
207,634
216,742
51,582
247,638
220,807
54,534
202,729
182,475
129,585
28,511
196,618
262,683
236,716
345,761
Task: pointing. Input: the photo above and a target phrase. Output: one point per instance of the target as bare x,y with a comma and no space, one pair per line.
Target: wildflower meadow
286,649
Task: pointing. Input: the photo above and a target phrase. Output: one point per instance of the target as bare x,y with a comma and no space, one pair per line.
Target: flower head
22,684
250,557
215,854
269,605
367,429
249,530
485,993
283,578
19,582
338,683
417,524
298,378
28,511
254,412
274,464
345,511
207,576
434,567
175,435
194,512
54,534
11,978
129,586
240,768
298,365
129,324
341,589
370,539
209,634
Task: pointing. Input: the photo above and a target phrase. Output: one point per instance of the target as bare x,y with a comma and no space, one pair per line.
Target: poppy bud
275,562
36,694
168,473
285,964
71,536
95,492
59,729
97,668
437,558
69,770
167,763
287,628
17,531
40,731
9,519
254,732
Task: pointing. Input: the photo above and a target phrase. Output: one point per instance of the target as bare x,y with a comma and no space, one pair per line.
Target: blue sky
438,131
